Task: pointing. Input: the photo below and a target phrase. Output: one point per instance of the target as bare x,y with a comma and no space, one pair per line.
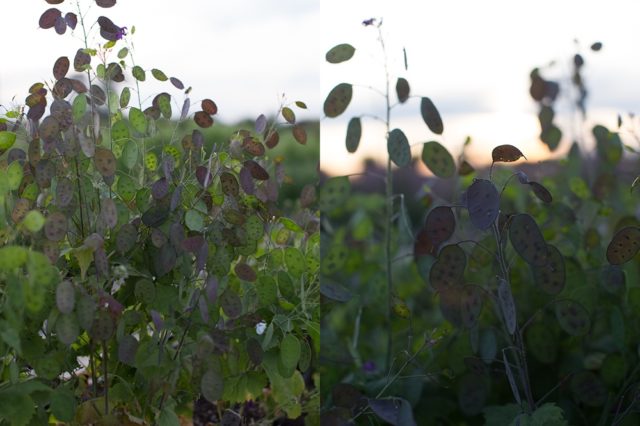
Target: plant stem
389,210
521,359
106,377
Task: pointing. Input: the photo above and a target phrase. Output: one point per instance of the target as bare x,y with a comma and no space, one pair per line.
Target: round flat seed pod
338,100
229,184
470,305
483,203
155,216
61,67
573,317
527,240
257,171
245,272
204,176
45,172
51,249
448,270
212,386
272,139
67,328
102,327
613,279
20,210
138,121
253,147
340,53
431,116
541,192
109,212
354,134
541,343
334,193
203,120
105,162
158,238
127,238
398,148
439,225
209,106
589,389
402,89
246,181
299,134
127,349
160,188
49,17
55,227
551,277
231,303
624,245
65,297
64,192
451,304
145,291
305,356
126,188
101,262
438,159
295,261
85,309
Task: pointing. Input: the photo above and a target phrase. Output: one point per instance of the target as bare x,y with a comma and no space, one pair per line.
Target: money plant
144,261
513,302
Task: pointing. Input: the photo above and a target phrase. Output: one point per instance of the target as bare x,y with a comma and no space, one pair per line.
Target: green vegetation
147,261
513,301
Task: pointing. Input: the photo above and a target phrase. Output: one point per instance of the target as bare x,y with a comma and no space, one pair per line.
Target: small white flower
261,327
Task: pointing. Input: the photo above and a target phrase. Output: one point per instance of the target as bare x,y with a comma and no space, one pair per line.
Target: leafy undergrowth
147,260
512,299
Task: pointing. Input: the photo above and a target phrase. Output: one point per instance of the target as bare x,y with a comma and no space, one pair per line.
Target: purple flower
369,366
121,33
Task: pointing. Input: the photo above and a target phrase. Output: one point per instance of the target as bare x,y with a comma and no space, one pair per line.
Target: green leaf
438,159
10,336
63,404
340,53
500,414
7,139
395,411
168,417
290,351
16,407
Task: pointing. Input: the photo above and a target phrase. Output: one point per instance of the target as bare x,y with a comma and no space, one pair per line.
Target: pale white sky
242,53
473,59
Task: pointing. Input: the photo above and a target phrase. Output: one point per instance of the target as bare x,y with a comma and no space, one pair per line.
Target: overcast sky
473,59
243,53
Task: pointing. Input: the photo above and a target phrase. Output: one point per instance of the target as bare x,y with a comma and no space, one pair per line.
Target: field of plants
155,266
506,295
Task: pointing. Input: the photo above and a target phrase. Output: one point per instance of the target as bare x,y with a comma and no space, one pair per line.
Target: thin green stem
106,377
